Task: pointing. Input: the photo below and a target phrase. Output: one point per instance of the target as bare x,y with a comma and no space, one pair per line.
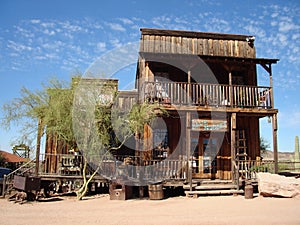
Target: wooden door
205,158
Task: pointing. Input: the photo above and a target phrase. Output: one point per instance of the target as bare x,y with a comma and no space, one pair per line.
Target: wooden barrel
156,191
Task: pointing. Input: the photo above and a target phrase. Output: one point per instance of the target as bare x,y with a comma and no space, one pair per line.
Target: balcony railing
217,95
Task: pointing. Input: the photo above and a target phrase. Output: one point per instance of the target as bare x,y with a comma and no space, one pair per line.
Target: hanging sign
209,125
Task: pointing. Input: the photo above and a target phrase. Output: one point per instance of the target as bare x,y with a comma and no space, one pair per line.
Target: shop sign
209,125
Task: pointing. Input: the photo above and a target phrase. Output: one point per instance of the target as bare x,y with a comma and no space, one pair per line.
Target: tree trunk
38,145
84,188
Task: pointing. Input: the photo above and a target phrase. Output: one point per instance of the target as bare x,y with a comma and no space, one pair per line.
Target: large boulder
274,185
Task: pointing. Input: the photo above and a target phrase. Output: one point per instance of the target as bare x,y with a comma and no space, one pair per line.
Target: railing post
4,186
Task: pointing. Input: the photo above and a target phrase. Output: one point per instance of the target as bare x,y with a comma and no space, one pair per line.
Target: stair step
215,182
212,192
187,186
216,187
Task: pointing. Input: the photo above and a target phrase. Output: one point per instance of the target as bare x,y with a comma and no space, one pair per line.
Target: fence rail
132,167
248,168
182,93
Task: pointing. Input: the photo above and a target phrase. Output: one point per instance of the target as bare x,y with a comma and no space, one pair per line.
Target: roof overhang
150,56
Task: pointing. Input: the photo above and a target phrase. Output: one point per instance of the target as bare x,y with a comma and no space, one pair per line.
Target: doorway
204,161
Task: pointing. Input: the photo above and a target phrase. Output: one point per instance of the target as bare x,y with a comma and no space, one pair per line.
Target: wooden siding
161,43
251,127
125,100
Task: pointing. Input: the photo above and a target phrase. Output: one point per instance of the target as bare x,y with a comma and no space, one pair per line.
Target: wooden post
188,146
271,86
147,72
189,88
230,88
275,147
233,142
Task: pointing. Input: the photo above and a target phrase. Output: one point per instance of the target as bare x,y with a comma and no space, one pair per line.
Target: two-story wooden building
208,83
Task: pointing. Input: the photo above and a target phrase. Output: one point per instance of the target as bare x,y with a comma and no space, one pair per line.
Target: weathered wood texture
125,100
251,127
198,43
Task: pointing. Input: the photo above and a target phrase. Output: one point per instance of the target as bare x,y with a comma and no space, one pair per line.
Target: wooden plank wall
251,127
197,46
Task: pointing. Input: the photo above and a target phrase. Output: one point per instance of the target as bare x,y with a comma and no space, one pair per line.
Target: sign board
209,125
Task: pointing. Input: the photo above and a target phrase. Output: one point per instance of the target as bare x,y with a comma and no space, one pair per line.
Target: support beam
230,88
189,89
233,142
188,147
271,86
275,145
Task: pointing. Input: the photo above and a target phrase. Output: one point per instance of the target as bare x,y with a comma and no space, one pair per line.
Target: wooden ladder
241,145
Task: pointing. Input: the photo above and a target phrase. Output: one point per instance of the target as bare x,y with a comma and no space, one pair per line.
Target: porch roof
149,56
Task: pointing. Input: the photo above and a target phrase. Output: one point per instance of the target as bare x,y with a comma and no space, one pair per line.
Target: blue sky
44,39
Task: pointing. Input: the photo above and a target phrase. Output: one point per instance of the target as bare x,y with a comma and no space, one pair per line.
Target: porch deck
208,95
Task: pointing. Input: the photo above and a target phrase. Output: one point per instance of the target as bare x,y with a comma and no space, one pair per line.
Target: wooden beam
232,141
230,88
275,144
267,68
189,89
188,146
271,86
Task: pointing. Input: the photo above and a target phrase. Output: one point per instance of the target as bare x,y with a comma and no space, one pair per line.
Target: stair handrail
9,176
236,174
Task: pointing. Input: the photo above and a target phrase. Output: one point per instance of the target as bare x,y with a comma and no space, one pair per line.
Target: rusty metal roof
12,158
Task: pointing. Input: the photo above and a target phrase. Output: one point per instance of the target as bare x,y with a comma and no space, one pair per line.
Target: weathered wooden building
208,83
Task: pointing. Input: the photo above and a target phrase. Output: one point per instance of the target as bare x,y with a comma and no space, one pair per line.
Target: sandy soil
178,210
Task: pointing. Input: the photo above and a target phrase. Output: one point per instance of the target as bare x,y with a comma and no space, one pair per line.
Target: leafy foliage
2,160
264,145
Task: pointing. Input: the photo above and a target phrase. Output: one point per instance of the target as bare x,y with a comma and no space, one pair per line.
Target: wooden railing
61,164
113,166
248,168
218,95
134,168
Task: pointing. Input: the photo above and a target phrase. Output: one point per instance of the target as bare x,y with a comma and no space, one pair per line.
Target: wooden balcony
213,95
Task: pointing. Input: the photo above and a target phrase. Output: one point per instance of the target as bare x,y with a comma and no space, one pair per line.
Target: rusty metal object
248,191
119,191
27,183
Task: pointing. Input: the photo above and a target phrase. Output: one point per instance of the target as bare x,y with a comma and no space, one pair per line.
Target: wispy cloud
116,26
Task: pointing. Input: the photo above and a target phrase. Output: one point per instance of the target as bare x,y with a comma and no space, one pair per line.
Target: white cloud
286,26
101,46
126,21
18,47
49,32
116,26
35,21
116,43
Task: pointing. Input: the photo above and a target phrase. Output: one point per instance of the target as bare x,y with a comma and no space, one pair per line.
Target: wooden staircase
211,187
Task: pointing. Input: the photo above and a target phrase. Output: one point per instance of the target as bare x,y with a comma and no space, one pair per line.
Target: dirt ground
177,210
